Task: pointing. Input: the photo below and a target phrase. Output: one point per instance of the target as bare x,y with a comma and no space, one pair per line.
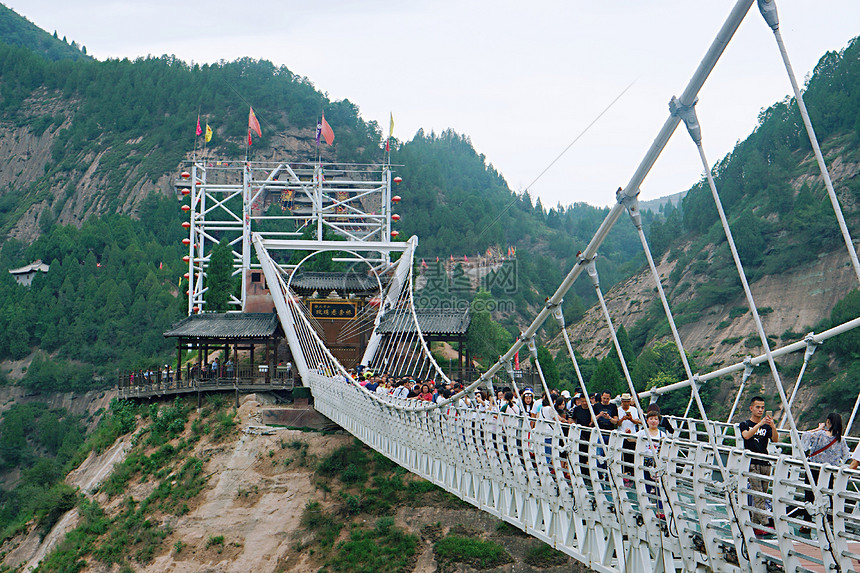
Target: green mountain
18,31
104,142
789,242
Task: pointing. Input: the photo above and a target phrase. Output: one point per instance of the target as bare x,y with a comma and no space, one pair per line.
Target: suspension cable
748,369
811,345
768,11
688,114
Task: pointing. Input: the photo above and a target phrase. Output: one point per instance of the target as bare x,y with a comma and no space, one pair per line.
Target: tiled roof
34,266
431,321
343,283
228,325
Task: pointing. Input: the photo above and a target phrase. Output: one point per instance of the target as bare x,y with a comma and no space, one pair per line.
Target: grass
323,524
137,531
544,556
477,553
383,549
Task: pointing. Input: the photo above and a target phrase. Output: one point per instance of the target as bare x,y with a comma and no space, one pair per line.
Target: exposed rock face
794,301
255,497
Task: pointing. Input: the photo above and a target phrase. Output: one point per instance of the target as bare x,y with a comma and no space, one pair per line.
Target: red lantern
395,217
185,175
198,183
186,241
398,179
195,309
394,234
185,276
186,191
186,258
186,224
396,198
185,208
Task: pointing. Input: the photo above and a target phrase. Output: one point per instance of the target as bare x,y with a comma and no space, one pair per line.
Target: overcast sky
521,79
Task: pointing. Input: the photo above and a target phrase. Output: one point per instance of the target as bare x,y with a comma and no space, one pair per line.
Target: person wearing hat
530,407
568,404
628,415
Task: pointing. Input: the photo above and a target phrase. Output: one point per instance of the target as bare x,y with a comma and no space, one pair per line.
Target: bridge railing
144,383
606,499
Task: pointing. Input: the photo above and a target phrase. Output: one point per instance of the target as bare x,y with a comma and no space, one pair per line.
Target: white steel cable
748,368
559,316
689,115
769,12
810,350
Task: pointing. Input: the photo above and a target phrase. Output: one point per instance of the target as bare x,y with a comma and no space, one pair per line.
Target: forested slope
789,242
91,150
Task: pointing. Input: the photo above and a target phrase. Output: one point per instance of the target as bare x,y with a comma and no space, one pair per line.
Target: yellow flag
208,133
391,125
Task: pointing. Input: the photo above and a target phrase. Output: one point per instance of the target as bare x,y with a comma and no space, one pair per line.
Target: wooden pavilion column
268,362
460,357
179,360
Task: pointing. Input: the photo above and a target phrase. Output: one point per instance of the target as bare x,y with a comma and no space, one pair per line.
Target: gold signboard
333,309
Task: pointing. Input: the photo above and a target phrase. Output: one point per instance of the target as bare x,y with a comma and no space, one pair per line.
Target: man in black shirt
582,416
579,412
606,412
607,418
757,432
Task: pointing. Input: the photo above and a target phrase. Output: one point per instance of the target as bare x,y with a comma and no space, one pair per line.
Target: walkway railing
244,378
601,498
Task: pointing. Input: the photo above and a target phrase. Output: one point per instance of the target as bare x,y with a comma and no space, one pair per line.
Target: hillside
18,31
788,240
89,151
190,491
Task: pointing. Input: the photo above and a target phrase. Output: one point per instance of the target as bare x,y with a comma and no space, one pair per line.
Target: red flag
437,259
326,131
199,131
517,360
254,124
387,147
249,137
465,259
161,265
423,264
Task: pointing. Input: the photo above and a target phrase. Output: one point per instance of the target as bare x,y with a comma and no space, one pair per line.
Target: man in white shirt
629,420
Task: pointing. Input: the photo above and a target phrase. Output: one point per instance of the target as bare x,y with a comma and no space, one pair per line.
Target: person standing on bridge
757,432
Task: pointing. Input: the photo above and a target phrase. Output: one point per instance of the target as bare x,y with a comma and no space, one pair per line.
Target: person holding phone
757,432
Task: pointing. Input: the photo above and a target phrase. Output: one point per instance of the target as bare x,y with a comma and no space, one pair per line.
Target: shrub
316,519
478,553
383,549
544,556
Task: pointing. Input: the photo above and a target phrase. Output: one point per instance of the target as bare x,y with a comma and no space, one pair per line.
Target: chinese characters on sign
340,310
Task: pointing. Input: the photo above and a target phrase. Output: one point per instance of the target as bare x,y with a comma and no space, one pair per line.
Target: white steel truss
294,206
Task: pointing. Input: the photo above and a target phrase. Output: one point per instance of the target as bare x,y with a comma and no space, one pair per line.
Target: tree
486,338
548,365
847,344
219,279
606,377
626,349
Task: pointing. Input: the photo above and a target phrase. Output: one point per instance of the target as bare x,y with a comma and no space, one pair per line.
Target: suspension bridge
693,502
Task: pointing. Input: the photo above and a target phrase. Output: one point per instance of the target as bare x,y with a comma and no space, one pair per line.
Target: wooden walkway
169,388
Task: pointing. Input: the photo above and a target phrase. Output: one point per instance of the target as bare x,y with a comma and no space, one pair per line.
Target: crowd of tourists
558,420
